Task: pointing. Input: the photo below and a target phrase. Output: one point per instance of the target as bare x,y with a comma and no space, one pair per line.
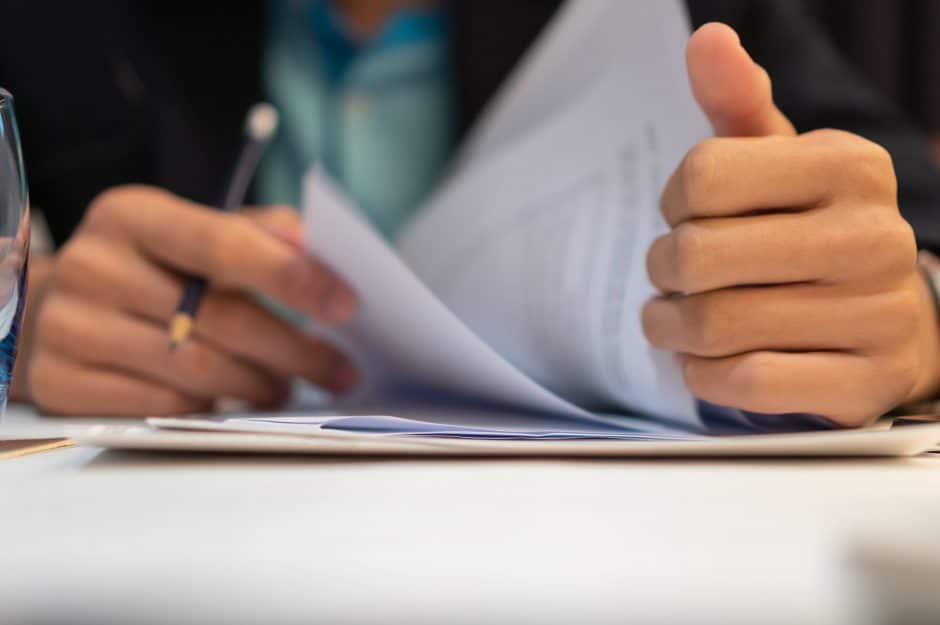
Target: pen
260,125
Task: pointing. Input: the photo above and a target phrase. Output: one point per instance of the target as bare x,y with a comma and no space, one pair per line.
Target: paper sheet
541,249
584,38
404,338
534,251
398,426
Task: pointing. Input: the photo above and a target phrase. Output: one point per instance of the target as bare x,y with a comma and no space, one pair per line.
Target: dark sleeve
816,87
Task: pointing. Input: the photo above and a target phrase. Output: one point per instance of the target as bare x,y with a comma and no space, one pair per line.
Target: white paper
585,38
534,252
196,435
403,337
559,65
387,425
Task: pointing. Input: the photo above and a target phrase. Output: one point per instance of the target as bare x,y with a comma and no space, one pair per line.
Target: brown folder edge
19,448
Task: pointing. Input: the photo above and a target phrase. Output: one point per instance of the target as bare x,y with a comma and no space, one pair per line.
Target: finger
64,386
847,388
732,177
793,318
281,221
725,177
117,277
232,322
243,327
708,254
109,339
818,246
732,90
227,249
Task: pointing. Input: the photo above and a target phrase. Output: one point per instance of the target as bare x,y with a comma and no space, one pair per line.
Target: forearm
40,272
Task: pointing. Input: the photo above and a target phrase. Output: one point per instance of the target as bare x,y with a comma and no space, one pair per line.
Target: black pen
260,125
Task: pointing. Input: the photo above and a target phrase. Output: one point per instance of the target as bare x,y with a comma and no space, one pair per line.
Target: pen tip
180,327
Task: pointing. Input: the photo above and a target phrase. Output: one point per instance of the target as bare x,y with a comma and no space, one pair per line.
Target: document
404,339
520,283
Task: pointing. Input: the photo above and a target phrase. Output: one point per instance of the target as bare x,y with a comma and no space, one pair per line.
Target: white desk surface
102,537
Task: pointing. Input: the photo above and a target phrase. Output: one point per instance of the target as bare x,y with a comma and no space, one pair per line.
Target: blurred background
896,44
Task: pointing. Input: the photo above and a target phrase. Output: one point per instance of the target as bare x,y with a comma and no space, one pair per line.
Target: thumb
732,90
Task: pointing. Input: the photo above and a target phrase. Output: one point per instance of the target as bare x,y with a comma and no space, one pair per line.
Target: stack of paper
303,435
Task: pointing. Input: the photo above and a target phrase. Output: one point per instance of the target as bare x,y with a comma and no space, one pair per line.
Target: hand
101,340
789,276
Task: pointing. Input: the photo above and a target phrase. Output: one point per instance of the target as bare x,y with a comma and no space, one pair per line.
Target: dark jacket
110,92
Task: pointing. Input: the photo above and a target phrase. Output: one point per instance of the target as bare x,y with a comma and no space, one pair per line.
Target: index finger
725,177
228,250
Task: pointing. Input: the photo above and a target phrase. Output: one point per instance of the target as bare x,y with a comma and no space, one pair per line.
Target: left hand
789,277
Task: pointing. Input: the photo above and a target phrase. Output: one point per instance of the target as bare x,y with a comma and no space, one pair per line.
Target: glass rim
5,97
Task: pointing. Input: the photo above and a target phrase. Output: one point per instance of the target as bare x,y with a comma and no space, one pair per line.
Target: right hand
101,339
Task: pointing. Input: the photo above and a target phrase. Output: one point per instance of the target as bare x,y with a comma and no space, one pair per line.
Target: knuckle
900,246
111,205
905,373
875,243
854,417
837,144
77,264
166,401
902,372
873,170
238,318
752,377
699,171
281,214
704,327
878,156
696,378
274,215
894,378
832,136
53,320
219,253
658,262
289,273
226,246
867,165
906,310
44,382
688,262
649,323
889,246
203,368
228,250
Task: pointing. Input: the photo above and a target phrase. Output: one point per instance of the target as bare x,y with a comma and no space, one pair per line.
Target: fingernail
345,378
340,306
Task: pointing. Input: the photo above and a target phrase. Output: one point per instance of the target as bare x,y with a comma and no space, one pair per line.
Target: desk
103,537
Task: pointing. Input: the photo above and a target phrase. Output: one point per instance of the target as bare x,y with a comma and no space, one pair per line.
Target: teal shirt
378,115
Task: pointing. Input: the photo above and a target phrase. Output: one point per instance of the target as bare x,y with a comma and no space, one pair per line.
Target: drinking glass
14,241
